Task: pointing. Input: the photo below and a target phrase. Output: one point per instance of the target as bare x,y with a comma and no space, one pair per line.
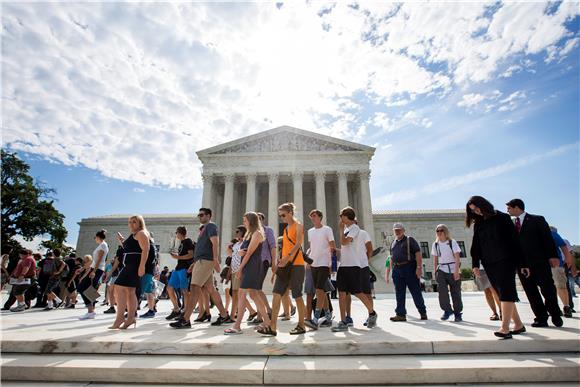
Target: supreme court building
286,164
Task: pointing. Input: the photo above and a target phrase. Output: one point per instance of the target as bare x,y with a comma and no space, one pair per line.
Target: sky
108,102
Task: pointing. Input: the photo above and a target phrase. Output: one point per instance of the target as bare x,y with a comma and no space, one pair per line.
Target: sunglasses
200,215
440,230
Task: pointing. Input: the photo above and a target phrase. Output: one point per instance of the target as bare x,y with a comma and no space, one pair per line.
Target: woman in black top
496,246
136,252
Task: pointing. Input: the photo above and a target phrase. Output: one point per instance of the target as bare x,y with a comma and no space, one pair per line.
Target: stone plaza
56,346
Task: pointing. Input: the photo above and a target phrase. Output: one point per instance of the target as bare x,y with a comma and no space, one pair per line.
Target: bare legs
509,313
126,300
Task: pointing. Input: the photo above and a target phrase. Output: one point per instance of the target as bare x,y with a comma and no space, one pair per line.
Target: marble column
273,202
207,190
342,189
226,226
251,192
297,179
320,192
366,206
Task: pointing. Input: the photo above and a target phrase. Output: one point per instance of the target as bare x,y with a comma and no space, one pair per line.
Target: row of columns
297,181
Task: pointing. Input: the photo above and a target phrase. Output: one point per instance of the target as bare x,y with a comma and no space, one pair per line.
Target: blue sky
109,102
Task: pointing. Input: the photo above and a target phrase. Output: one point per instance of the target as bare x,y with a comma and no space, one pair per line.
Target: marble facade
285,164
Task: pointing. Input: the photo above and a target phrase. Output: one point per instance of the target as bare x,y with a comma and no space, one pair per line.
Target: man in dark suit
540,251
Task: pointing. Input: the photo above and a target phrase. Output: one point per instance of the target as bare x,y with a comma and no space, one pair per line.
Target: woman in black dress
136,251
250,271
496,246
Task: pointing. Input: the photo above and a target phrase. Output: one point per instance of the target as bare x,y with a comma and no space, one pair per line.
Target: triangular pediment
285,139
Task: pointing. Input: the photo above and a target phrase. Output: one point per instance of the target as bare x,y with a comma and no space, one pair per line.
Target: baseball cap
398,226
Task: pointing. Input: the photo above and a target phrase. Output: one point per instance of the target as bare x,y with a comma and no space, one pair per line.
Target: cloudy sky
108,102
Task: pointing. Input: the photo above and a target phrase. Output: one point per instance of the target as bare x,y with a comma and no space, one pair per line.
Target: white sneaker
88,316
18,308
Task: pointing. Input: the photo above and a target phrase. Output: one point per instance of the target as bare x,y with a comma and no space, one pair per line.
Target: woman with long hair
136,250
496,246
250,271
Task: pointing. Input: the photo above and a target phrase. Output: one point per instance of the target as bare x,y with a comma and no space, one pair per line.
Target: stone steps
293,370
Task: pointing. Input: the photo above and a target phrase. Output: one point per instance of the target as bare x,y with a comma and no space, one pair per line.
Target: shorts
147,284
559,276
202,273
320,275
265,268
309,282
178,279
482,282
294,283
235,282
365,280
348,279
112,280
19,290
52,284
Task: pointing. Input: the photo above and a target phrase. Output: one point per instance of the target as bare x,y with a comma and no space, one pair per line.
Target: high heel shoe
127,325
204,318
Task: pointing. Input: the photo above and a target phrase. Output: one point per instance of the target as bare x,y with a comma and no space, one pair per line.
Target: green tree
28,207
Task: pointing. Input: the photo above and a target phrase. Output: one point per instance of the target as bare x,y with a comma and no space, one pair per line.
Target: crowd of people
504,245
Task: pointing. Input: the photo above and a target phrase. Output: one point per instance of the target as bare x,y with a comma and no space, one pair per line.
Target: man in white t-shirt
348,277
446,253
322,245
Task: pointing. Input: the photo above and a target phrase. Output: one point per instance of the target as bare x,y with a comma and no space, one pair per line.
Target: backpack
449,242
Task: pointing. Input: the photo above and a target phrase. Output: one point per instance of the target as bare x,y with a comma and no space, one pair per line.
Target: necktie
518,225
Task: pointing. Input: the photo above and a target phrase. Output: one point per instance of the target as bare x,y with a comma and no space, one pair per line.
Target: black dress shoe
180,324
503,335
540,324
518,331
557,321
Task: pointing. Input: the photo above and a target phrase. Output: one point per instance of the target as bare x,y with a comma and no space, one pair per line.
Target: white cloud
471,101
138,190
511,102
450,183
134,90
409,119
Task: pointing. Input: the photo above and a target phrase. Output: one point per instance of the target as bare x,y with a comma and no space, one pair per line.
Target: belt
402,263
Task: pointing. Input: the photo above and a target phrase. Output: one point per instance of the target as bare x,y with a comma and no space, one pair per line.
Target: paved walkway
60,331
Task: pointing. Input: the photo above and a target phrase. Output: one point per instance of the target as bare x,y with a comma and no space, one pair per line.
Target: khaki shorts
202,273
559,276
235,281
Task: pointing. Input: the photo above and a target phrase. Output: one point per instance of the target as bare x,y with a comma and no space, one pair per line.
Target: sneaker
180,324
110,310
18,308
458,317
446,315
398,317
149,314
325,324
372,320
71,306
567,312
220,320
424,316
88,316
341,327
311,324
173,315
48,307
348,320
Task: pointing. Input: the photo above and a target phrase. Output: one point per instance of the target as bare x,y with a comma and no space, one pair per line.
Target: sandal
233,331
252,316
267,331
298,330
494,317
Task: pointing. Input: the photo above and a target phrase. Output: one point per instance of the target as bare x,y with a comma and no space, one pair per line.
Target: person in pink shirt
24,275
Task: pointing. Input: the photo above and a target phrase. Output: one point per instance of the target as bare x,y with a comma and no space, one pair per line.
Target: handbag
91,294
